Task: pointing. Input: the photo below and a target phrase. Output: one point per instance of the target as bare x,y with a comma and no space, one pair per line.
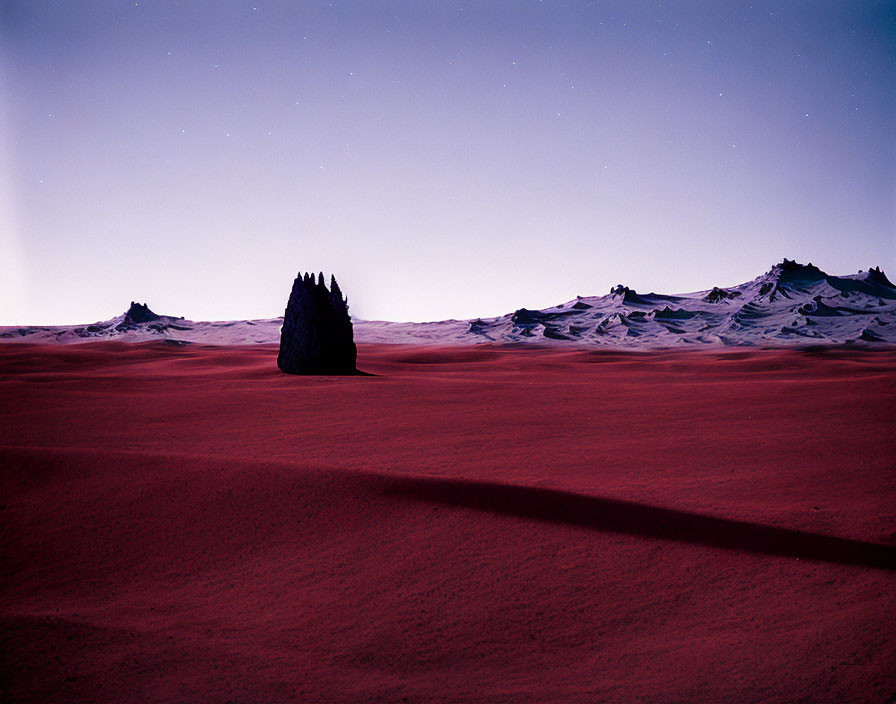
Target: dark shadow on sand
356,372
641,519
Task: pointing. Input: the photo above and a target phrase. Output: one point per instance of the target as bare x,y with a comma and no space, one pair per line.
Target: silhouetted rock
317,336
524,316
790,271
719,294
876,275
140,313
136,316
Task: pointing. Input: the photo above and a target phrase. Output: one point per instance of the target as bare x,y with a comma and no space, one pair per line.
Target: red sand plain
187,524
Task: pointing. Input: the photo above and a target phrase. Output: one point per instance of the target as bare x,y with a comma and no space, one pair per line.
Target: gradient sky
444,159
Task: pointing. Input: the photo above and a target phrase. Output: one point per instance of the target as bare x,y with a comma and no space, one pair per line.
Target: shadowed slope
606,514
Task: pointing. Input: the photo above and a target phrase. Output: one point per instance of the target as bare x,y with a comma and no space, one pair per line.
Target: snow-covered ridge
791,303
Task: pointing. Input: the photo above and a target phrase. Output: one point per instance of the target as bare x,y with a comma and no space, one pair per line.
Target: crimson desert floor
187,524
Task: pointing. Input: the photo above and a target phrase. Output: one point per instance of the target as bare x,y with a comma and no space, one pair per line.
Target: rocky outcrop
791,303
317,336
139,317
718,295
140,313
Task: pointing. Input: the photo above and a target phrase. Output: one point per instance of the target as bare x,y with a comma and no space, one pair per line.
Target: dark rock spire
139,313
317,336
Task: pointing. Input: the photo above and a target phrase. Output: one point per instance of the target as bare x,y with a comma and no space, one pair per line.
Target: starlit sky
443,159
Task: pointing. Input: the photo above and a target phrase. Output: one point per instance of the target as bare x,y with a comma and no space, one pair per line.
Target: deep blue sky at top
444,159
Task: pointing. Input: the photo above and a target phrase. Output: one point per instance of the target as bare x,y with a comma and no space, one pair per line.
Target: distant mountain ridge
790,304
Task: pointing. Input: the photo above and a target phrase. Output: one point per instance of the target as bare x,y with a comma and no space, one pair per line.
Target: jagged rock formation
140,317
140,313
317,336
791,304
717,295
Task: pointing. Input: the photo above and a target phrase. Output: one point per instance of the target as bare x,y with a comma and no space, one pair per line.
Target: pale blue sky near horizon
443,159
